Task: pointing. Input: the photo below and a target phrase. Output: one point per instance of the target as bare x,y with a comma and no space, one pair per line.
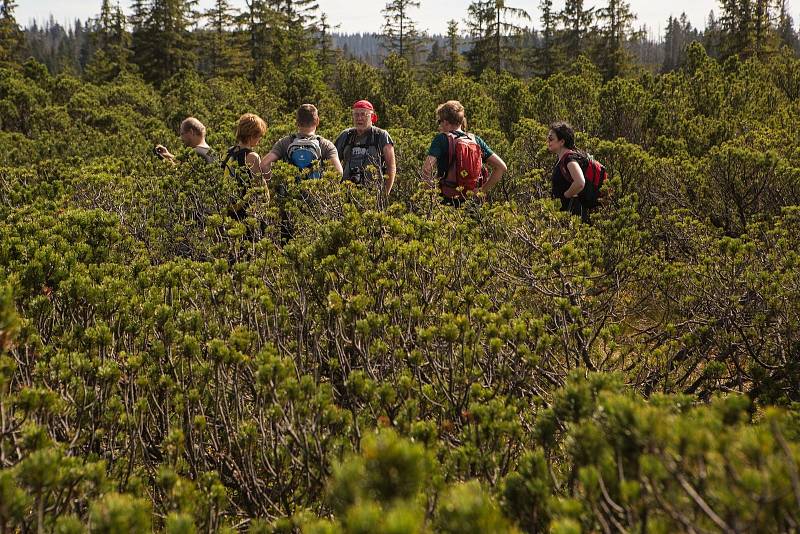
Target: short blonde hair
249,127
453,112
190,123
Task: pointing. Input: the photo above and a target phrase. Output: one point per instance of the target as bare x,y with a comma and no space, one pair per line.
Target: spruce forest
399,365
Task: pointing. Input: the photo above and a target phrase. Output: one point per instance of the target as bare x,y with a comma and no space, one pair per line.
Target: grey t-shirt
207,153
281,148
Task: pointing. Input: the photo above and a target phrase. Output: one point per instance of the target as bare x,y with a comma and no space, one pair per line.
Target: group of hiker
455,163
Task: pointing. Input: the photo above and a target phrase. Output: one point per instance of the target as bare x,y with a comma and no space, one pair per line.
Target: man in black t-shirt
366,151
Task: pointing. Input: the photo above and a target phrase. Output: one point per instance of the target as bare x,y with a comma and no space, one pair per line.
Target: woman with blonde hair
249,131
241,161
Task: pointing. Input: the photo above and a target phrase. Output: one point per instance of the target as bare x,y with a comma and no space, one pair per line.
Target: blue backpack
304,153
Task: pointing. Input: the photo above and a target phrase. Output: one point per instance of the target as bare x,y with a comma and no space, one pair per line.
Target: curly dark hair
564,132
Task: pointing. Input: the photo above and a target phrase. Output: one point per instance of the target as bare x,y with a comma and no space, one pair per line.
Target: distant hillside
368,46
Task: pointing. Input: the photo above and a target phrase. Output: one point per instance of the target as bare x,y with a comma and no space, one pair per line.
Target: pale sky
355,16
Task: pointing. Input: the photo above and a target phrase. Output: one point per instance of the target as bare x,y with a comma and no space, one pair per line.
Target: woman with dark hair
569,183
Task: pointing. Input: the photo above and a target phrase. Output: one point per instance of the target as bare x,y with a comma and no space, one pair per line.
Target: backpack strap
233,153
562,164
225,161
242,154
349,141
292,139
451,148
451,153
378,148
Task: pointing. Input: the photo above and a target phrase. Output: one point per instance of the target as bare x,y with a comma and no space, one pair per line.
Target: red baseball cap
366,104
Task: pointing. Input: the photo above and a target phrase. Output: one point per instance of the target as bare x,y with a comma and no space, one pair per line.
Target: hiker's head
250,129
364,115
307,116
450,116
192,132
561,135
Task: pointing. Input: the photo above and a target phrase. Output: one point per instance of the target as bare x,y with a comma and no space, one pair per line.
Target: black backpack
235,166
354,167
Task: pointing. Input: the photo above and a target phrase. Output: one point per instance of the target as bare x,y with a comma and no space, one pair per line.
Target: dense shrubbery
403,368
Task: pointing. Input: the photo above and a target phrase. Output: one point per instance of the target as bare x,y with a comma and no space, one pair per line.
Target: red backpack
465,165
594,173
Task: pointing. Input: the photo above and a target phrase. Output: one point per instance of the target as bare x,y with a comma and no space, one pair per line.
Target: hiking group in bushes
456,160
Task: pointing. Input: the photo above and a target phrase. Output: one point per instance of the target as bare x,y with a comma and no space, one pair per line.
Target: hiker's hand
163,153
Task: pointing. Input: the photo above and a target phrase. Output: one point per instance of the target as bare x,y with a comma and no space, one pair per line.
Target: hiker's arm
334,160
428,170
578,181
391,167
498,170
253,162
266,165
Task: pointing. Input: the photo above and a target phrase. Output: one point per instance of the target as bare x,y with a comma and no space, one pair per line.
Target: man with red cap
366,151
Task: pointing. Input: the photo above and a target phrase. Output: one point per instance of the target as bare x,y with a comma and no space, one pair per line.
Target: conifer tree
280,31
400,35
436,59
765,37
258,19
163,44
492,25
478,19
548,57
293,27
326,52
712,36
748,27
223,53
111,42
736,27
616,20
138,16
299,13
678,35
12,39
786,33
577,22
454,57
